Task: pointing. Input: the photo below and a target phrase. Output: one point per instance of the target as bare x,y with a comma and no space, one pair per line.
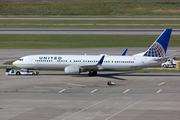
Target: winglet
101,60
124,53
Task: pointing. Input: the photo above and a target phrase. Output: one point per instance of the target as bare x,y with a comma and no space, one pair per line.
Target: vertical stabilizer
159,47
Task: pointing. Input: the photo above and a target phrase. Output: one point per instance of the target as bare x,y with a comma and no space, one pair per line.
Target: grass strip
4,67
94,26
89,21
79,41
155,71
8,63
90,16
92,7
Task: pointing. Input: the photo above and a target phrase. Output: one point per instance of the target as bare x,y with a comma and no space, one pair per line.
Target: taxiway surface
52,95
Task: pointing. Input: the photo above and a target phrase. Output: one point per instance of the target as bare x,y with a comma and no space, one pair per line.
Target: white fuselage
110,63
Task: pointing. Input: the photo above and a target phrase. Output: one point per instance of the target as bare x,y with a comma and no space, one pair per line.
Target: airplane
76,64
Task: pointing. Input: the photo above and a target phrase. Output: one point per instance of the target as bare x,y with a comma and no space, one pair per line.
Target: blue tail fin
159,47
124,53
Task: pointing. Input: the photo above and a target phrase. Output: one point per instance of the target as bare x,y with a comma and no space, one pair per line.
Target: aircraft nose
14,63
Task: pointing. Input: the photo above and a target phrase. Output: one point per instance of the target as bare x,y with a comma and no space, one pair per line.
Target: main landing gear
92,73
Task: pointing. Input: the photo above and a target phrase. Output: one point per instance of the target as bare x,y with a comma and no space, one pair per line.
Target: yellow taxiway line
93,90
161,83
126,91
160,90
61,90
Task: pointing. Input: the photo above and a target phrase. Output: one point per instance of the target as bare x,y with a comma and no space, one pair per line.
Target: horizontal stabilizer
163,58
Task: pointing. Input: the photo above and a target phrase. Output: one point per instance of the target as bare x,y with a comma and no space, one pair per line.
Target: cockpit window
20,59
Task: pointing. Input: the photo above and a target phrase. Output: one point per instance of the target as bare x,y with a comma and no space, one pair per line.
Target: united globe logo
156,50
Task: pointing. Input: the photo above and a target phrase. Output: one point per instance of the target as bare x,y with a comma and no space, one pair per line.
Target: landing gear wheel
92,73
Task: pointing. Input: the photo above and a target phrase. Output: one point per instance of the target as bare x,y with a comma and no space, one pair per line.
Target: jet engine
72,70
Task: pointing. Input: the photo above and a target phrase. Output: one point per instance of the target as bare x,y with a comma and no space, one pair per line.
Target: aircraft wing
93,67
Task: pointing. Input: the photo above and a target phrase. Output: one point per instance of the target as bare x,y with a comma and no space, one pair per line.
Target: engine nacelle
72,70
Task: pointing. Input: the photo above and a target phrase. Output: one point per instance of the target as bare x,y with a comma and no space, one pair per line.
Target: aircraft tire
94,73
90,74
